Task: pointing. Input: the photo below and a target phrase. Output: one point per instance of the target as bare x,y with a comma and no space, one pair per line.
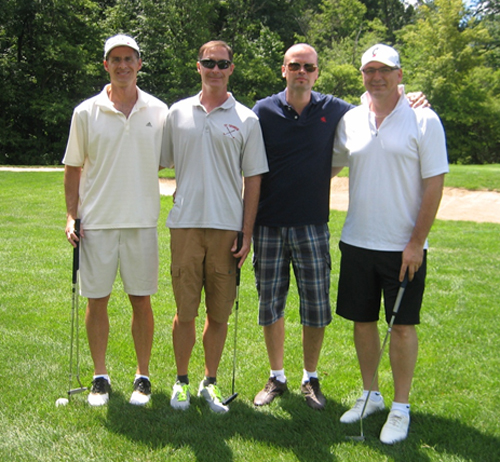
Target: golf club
395,310
75,338
236,308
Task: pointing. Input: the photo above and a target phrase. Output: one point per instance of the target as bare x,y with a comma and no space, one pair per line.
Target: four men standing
397,160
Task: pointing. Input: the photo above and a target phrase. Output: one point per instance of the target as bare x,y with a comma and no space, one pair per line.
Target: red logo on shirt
323,119
230,129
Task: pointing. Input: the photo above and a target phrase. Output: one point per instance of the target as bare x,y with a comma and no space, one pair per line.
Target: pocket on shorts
223,283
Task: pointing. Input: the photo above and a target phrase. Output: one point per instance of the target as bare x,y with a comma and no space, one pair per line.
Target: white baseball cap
382,54
120,41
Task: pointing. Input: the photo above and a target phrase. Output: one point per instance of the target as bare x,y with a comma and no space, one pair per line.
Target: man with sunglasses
397,161
210,139
298,125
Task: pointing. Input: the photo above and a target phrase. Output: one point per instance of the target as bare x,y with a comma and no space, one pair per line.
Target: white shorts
133,250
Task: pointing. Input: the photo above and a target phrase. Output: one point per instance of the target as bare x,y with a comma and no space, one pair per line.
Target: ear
105,64
198,67
283,71
400,75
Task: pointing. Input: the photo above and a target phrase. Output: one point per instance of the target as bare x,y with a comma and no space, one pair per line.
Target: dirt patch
457,204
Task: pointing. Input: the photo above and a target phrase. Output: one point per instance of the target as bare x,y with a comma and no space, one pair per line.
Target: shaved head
300,48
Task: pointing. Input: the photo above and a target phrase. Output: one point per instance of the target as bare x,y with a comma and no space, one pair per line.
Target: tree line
51,54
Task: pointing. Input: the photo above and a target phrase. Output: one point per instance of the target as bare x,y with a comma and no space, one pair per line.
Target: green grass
472,177
454,397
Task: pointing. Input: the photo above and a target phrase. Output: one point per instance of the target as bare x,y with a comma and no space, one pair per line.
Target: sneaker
314,398
395,428
354,414
99,393
272,389
142,392
213,397
180,396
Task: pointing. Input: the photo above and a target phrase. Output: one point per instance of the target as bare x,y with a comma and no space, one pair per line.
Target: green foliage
48,58
342,80
445,59
51,58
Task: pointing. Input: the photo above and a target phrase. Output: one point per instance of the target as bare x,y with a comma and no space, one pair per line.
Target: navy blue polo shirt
296,190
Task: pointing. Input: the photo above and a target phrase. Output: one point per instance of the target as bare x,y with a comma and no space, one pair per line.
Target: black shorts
367,274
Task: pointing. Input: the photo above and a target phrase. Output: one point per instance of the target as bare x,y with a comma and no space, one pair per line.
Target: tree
49,59
444,57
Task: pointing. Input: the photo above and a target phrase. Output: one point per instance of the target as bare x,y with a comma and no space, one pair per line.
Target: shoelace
395,420
182,393
214,392
142,386
99,386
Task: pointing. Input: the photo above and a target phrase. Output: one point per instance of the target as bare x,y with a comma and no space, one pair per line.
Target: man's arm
413,253
335,171
71,192
251,196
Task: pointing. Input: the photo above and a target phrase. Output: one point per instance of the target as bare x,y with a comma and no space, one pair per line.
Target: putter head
230,399
355,438
75,391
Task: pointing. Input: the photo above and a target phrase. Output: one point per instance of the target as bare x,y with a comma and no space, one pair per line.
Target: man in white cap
397,161
111,184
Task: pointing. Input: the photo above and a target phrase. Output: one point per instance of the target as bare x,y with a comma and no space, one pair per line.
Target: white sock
375,396
104,376
138,376
401,407
309,375
279,375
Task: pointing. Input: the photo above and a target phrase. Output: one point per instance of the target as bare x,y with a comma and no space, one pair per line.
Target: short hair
214,44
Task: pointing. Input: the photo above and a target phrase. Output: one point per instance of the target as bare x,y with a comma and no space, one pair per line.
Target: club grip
76,252
239,244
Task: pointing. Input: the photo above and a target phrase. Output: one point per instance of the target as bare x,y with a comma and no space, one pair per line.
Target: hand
412,259
243,251
417,99
71,234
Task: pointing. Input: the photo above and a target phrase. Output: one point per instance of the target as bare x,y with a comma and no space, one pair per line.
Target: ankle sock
308,375
401,407
103,376
279,375
375,396
209,381
183,379
139,376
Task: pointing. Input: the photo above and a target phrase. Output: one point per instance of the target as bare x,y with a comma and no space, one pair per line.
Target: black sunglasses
294,67
210,63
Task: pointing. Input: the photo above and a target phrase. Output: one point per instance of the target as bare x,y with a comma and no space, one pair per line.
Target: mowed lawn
455,398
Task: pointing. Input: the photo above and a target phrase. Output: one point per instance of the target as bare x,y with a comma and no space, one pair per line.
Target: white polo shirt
386,169
120,158
210,152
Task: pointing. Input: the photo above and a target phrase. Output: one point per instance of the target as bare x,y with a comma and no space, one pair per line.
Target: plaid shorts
307,248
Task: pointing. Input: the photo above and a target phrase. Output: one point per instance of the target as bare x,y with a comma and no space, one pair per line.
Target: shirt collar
315,96
104,101
228,104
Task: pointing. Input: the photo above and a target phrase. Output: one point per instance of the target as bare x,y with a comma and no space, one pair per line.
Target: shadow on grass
288,425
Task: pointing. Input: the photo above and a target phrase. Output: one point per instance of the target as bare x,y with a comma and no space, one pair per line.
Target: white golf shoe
180,396
395,428
354,414
213,397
